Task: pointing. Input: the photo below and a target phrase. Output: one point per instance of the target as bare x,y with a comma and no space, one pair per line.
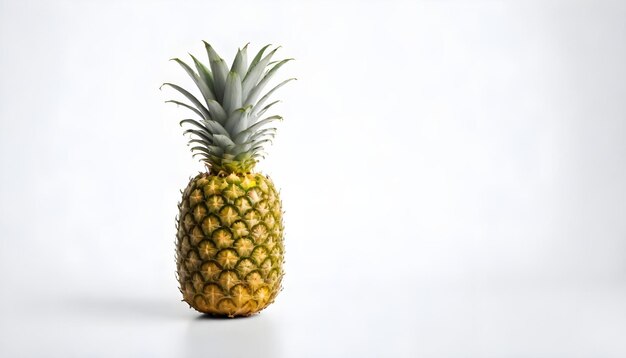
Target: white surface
374,319
453,174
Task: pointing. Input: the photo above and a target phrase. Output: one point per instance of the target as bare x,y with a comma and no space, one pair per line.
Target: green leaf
239,119
256,91
222,141
211,127
262,111
202,142
204,155
201,134
240,64
204,88
243,156
269,93
217,112
214,127
191,97
220,71
199,125
201,149
263,134
232,93
216,150
257,149
258,57
204,73
255,73
257,144
186,106
243,136
255,127
240,148
204,158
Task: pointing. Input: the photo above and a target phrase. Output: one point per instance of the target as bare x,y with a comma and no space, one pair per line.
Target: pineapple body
229,250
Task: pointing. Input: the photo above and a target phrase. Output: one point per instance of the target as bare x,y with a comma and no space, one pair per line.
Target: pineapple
229,241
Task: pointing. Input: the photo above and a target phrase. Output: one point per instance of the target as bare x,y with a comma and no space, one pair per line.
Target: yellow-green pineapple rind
229,250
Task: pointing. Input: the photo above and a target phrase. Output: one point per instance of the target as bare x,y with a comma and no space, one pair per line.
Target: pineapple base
229,247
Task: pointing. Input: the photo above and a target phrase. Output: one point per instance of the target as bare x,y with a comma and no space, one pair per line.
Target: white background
454,176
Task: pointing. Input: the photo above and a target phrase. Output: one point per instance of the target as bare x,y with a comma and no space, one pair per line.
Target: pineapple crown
230,133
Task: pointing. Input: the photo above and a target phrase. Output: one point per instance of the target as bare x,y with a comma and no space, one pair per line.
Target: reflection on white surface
243,337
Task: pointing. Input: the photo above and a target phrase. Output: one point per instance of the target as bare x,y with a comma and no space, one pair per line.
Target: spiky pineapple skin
229,249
